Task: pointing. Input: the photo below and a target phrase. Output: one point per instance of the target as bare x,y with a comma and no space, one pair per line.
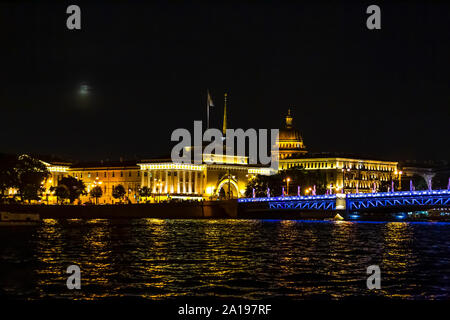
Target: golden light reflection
398,258
162,258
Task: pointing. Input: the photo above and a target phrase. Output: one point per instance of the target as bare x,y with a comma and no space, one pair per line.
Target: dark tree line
23,173
297,176
27,175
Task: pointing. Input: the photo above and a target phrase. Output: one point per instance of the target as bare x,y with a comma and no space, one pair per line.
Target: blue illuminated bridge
346,204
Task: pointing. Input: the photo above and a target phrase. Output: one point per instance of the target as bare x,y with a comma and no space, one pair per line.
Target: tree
30,173
75,187
62,192
297,177
96,193
118,192
144,192
8,177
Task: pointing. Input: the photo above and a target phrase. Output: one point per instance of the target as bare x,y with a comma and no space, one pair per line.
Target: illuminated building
219,176
58,169
344,173
225,178
108,175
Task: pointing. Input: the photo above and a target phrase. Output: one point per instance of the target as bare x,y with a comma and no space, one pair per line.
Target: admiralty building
217,176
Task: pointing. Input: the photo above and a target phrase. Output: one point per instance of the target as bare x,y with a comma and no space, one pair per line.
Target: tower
224,127
289,119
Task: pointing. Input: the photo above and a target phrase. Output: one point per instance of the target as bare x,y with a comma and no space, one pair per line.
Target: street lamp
287,185
399,175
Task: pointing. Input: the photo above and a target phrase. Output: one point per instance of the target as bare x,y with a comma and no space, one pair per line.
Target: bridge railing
349,195
358,201
289,198
398,194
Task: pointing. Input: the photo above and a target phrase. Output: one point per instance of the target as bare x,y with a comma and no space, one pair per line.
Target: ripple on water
253,259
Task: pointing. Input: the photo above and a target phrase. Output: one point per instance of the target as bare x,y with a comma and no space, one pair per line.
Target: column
142,178
195,182
178,181
201,182
166,182
190,182
184,181
153,180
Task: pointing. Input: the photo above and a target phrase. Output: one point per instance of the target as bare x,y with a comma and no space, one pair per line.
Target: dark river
251,259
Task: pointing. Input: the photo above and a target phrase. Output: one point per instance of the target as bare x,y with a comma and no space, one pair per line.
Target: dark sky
383,92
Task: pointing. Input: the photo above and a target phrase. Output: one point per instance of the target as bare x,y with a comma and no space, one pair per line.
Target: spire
224,128
289,119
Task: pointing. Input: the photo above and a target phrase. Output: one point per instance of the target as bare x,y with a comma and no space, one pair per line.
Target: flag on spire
209,103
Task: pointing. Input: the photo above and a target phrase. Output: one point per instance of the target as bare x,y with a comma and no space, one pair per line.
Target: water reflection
399,260
253,259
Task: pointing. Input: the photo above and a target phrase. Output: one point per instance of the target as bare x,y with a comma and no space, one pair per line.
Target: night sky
384,92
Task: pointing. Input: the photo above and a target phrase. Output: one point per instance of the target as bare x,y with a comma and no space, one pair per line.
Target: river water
251,259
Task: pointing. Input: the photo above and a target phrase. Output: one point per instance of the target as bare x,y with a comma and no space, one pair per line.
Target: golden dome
289,132
290,141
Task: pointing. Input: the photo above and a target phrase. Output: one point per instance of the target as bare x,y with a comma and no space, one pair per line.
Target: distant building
345,173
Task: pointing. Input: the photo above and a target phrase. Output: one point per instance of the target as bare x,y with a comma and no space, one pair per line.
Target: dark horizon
352,90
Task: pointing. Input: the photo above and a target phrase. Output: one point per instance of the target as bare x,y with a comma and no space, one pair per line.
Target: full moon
84,89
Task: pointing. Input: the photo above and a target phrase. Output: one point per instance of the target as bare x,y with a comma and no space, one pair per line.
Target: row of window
323,165
105,174
289,145
361,185
310,165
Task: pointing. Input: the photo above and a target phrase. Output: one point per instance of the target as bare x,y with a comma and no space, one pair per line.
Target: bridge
351,203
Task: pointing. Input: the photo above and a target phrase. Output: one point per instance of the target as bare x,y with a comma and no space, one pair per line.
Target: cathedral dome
290,134
290,141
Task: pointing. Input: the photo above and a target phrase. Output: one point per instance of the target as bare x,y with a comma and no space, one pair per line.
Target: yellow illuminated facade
222,179
347,174
219,177
58,170
108,176
344,174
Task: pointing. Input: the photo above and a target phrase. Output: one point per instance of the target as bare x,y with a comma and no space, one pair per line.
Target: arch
232,182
